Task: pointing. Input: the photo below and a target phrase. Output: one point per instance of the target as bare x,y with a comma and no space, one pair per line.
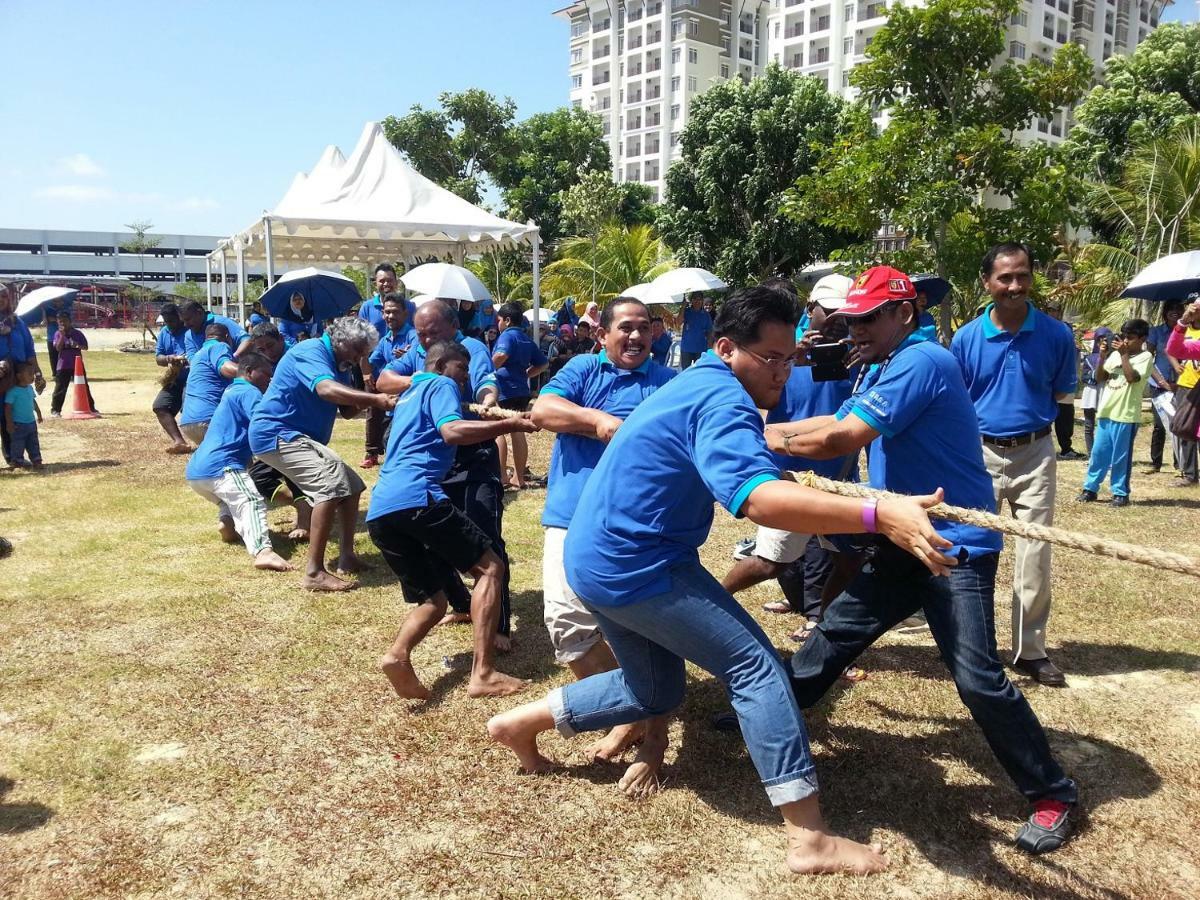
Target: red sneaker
370,461
1048,828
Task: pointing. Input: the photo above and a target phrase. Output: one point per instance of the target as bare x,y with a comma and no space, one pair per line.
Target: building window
1020,18
693,28
847,45
576,104
576,81
674,111
675,82
724,70
1016,50
693,55
631,172
675,55
845,79
652,171
848,12
576,56
691,82
674,138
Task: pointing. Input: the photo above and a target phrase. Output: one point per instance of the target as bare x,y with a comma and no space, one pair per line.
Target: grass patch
172,722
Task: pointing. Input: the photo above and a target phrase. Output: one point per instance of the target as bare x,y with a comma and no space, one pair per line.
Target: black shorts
170,399
426,547
520,404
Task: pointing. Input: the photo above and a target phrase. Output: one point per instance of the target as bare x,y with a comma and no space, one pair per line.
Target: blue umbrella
935,288
327,295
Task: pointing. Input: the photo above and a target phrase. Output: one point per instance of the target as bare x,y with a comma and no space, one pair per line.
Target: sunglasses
871,316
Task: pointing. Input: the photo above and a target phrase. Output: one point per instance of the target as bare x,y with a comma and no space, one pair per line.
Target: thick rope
1146,556
492,412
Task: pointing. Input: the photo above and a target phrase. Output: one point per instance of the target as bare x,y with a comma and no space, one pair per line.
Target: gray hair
351,331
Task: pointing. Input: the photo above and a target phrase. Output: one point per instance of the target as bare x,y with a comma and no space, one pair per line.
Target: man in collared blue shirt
290,432
196,318
632,558
372,310
1019,364
171,353
517,360
914,411
697,334
211,370
585,403
398,335
660,341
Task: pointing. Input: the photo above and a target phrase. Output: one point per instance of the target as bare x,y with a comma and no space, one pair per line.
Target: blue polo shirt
928,436
522,353
417,457
389,344
1159,335
194,340
257,319
660,350
226,444
291,407
697,323
1013,379
596,383
481,370
18,343
172,344
649,504
927,327
294,332
372,311
804,398
206,384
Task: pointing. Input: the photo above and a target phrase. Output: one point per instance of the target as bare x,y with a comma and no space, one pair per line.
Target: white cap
830,292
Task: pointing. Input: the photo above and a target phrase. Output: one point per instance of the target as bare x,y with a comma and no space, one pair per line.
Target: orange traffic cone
83,407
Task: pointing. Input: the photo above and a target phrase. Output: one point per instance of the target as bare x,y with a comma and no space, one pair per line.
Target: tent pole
270,257
537,287
224,284
208,280
241,277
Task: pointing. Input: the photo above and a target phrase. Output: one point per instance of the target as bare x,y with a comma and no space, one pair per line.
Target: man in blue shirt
1019,364
196,318
217,470
585,403
398,335
426,539
517,359
212,368
171,353
290,432
660,341
372,310
1162,379
697,333
632,558
914,411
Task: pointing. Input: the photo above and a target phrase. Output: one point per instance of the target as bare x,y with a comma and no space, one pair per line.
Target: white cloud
80,165
78,193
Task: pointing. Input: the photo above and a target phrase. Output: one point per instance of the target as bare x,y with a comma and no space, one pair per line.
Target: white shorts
573,630
237,498
778,546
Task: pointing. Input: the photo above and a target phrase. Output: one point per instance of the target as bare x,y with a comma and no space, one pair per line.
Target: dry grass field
173,723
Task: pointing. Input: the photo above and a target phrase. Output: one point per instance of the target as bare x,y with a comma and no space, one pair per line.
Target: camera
829,361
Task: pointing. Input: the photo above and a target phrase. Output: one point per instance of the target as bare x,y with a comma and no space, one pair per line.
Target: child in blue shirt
22,416
423,537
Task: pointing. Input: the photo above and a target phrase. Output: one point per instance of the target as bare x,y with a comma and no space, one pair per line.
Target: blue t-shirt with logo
804,398
482,372
389,344
1014,379
226,444
594,382
417,457
291,408
928,436
522,353
173,344
697,323
649,503
194,340
206,384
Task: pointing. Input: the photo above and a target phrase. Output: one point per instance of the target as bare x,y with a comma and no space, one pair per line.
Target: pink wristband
868,516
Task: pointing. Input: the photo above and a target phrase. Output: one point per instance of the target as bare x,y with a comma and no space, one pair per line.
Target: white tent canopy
368,208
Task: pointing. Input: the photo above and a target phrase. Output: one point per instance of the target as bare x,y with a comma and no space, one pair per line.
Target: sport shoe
1086,497
914,624
1183,482
1047,829
1071,455
744,548
1119,501
370,461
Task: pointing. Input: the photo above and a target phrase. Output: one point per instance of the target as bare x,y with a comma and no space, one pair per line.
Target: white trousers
238,499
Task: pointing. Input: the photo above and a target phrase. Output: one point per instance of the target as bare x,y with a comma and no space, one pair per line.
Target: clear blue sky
196,115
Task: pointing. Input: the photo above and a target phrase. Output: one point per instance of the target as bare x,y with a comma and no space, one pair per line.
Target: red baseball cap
875,287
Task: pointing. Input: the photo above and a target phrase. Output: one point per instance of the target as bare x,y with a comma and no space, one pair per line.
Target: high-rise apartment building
640,64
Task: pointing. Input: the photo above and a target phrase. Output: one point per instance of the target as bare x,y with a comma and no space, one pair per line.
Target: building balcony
746,27
743,53
822,24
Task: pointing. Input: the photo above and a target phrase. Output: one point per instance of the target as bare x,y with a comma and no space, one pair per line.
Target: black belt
1017,440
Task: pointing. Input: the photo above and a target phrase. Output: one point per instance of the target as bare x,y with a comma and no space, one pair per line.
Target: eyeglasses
774,365
869,318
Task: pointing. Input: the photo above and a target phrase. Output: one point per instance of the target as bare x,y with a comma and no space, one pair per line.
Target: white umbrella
421,300
638,292
1168,278
674,284
446,281
544,315
34,300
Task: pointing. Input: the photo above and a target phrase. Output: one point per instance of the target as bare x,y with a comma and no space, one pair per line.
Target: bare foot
641,778
180,449
828,854
455,618
502,643
299,535
272,561
324,581
227,532
613,745
494,684
350,565
403,678
509,730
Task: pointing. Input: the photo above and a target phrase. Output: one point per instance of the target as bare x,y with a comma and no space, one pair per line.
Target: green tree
139,244
743,147
622,258
459,145
589,205
506,273
946,170
1144,95
361,280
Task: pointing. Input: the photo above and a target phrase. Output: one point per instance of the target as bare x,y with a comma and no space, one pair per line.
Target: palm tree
622,258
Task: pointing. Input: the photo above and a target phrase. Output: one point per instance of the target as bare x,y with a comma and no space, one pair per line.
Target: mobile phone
829,361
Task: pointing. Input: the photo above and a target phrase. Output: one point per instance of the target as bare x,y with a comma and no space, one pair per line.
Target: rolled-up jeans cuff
792,788
558,709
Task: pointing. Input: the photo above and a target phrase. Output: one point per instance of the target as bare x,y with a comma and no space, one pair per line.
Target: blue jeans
960,610
700,622
25,440
1113,449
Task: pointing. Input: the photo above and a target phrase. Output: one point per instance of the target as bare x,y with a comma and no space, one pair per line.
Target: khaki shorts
315,469
780,546
573,630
